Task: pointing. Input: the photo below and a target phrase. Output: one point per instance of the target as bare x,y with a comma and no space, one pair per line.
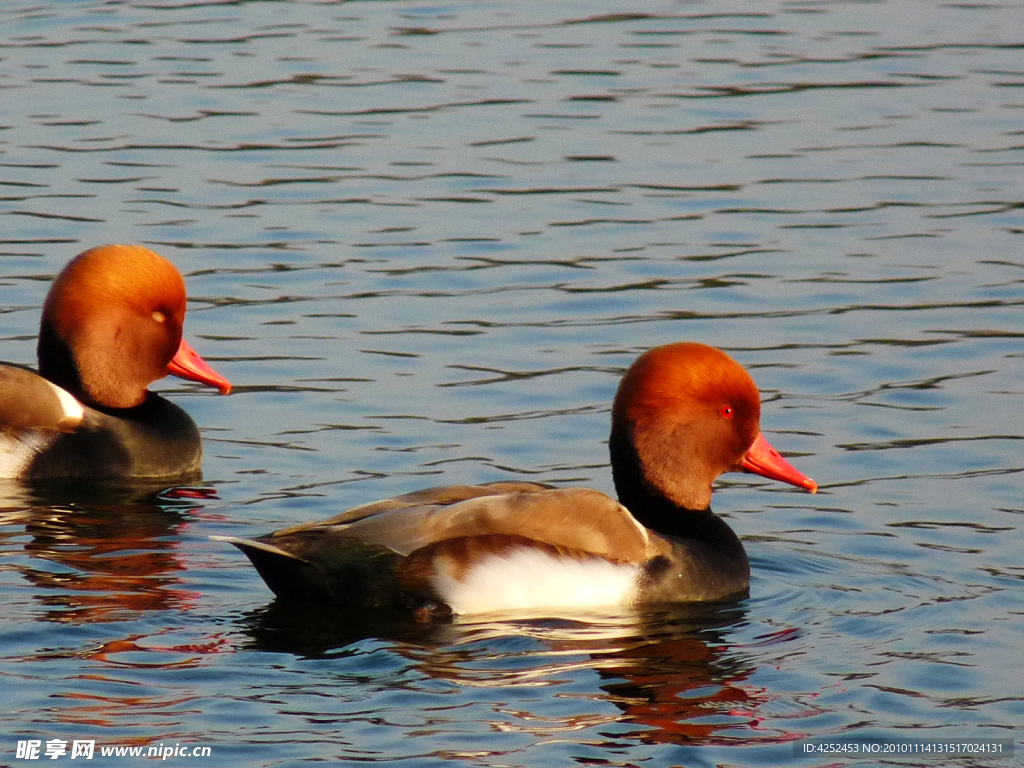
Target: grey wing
33,414
28,401
577,519
441,495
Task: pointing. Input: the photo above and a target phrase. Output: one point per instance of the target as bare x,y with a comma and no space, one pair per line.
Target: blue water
424,241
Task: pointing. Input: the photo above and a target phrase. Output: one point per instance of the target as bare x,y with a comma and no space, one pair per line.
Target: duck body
153,439
111,325
506,546
683,414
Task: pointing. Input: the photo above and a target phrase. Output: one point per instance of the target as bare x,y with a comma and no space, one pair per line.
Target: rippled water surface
424,241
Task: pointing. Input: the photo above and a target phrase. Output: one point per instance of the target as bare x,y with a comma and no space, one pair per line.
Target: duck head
684,414
112,325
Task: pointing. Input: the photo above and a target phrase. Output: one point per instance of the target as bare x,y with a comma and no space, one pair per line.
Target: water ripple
424,242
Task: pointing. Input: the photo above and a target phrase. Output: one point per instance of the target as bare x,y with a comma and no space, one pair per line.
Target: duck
111,325
683,414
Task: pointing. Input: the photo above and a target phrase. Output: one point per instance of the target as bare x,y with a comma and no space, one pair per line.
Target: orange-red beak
764,460
187,364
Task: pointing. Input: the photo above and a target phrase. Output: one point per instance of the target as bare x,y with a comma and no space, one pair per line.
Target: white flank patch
74,412
528,579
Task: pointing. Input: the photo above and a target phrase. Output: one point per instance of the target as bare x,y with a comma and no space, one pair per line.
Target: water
424,241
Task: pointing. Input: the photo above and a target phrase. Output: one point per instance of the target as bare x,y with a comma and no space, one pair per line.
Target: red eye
727,412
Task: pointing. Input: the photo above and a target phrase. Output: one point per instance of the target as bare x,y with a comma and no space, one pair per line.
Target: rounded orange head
112,325
685,413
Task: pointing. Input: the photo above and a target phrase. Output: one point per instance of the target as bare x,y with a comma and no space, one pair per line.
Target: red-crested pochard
684,414
111,326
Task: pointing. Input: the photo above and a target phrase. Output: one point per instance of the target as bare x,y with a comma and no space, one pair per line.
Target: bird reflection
102,553
671,672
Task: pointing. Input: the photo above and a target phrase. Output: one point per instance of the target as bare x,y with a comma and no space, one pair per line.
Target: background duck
111,325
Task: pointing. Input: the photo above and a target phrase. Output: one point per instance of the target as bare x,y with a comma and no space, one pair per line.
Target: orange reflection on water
114,559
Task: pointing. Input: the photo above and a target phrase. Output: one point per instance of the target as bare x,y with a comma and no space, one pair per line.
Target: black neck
653,510
56,364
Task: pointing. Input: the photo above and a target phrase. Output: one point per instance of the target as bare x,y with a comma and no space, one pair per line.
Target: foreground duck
111,325
684,414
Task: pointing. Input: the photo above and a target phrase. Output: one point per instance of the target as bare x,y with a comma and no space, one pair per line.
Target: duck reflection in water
672,672
104,553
